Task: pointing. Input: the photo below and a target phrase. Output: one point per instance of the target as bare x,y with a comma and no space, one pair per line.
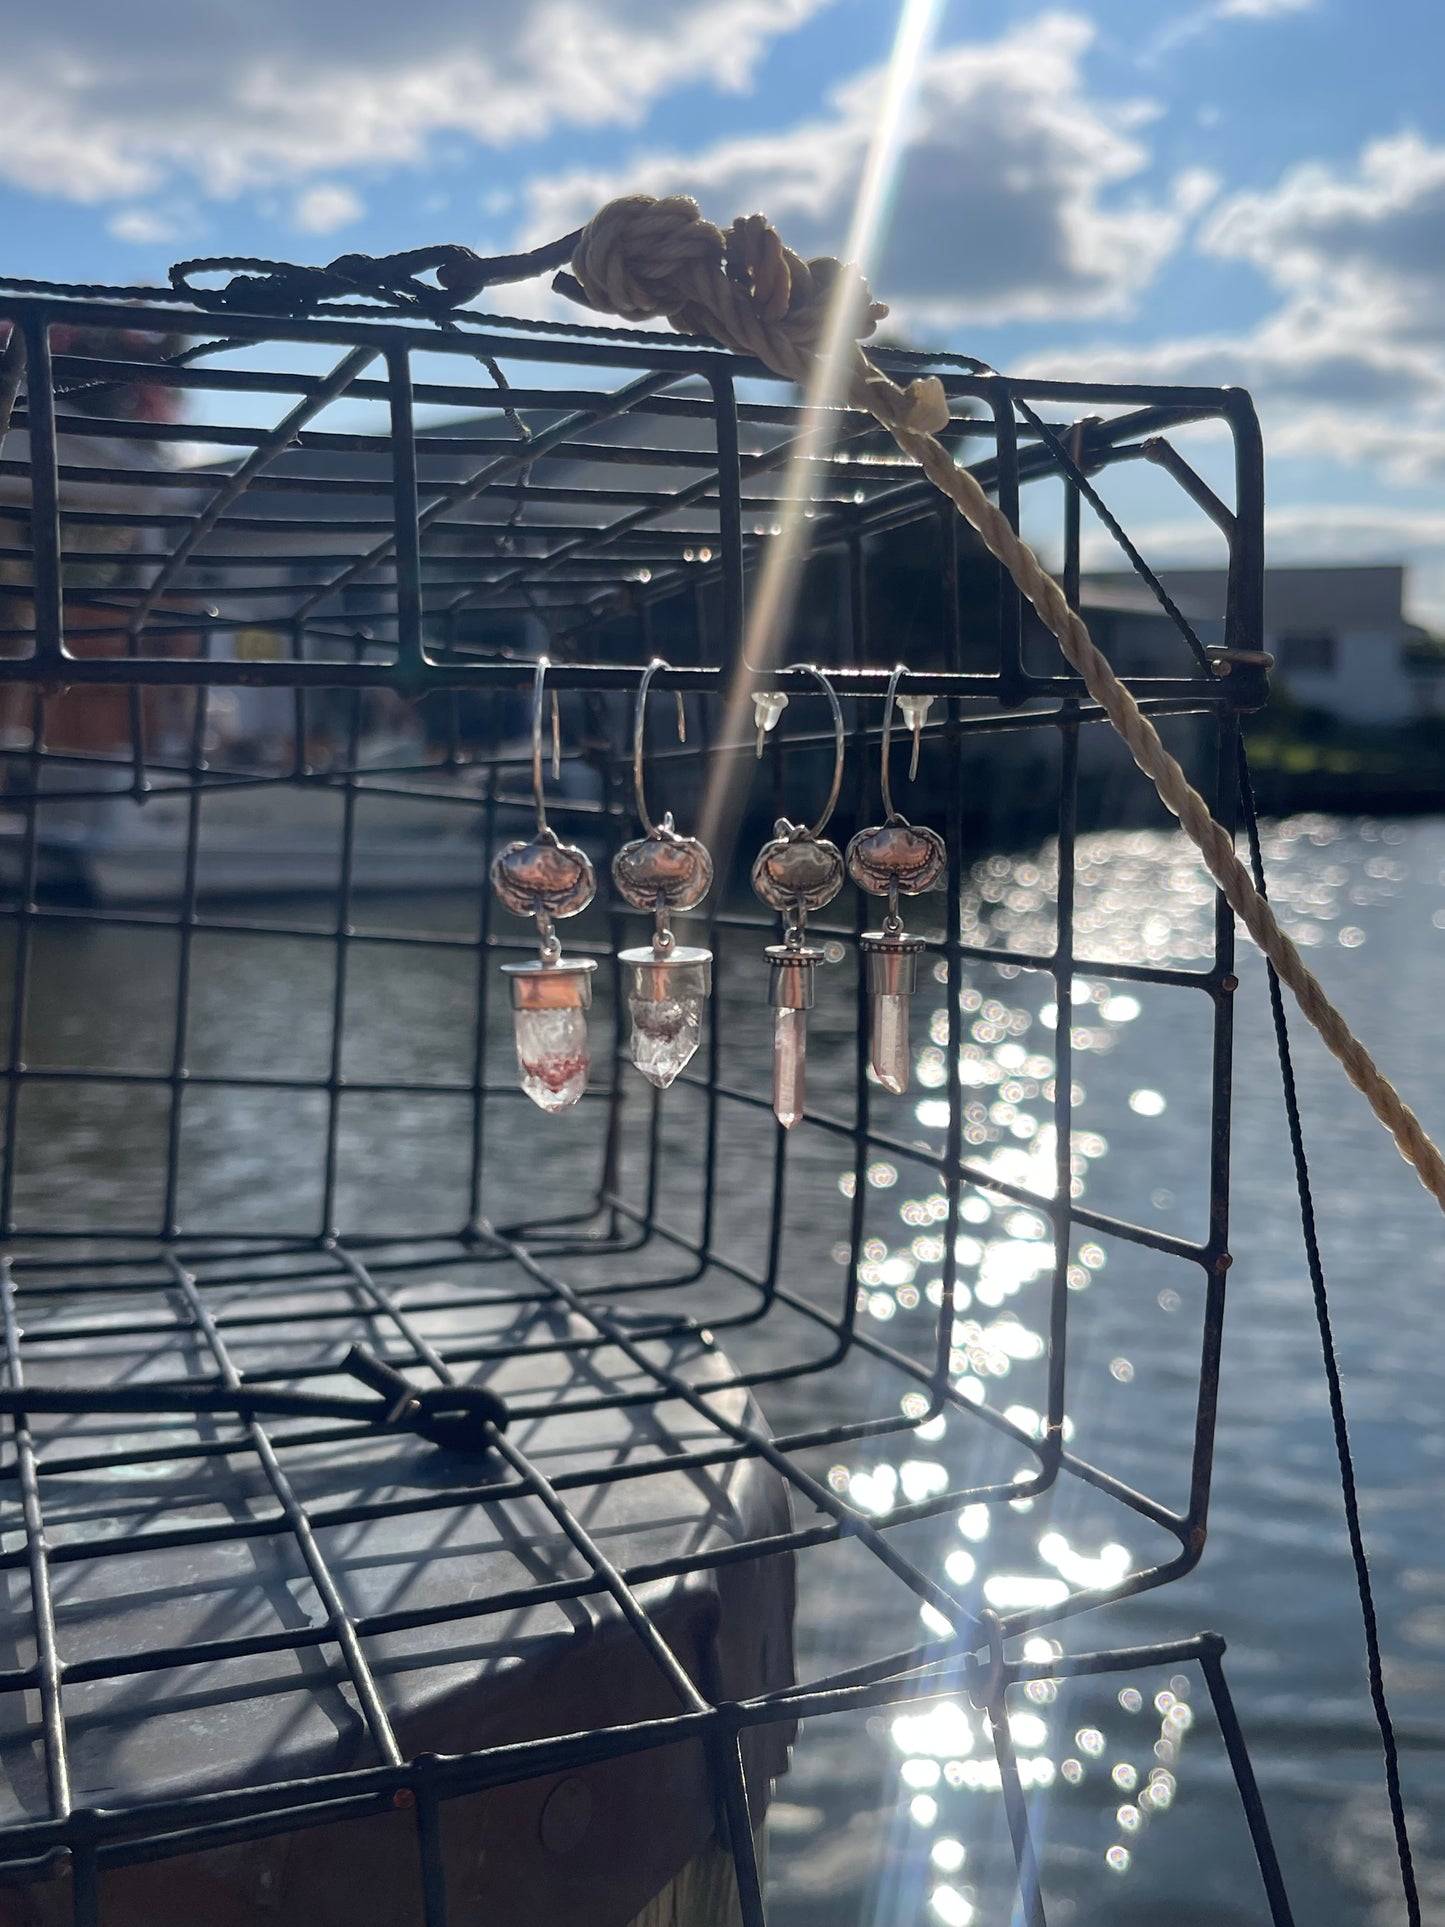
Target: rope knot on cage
641,257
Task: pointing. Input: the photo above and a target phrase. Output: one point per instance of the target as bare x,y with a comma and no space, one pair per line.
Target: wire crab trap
406,1490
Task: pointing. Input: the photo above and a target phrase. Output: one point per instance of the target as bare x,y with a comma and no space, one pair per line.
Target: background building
1340,638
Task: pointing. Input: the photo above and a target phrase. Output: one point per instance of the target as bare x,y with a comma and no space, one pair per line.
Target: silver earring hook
539,690
639,720
839,740
899,669
913,710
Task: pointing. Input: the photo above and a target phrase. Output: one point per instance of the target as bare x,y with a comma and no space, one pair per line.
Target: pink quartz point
790,1060
552,1055
890,1043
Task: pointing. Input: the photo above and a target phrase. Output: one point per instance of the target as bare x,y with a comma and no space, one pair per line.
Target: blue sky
1227,190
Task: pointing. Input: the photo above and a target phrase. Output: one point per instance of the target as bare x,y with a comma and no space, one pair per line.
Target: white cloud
1260,9
1188,26
1015,198
1350,363
142,225
1348,368
1299,359
1379,228
324,208
94,108
1357,347
1323,532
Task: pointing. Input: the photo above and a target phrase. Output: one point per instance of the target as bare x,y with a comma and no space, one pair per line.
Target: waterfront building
1341,640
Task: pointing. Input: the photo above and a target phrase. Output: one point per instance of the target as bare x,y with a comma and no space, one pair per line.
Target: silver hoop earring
894,857
667,983
548,879
798,871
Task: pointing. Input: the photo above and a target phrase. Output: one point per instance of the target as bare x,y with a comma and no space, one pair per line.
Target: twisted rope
641,257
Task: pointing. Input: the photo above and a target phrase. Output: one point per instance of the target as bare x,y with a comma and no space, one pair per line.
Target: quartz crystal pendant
792,998
666,991
667,983
796,872
892,962
790,1066
546,878
893,858
550,1002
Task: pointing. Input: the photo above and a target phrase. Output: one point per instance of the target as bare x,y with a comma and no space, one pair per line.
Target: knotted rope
640,257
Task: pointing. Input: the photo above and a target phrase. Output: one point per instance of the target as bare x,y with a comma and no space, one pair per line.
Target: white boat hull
253,842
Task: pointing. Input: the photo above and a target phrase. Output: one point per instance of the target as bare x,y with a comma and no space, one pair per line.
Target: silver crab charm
663,871
544,877
897,857
797,870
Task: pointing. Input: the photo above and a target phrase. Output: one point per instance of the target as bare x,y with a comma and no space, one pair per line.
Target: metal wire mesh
353,526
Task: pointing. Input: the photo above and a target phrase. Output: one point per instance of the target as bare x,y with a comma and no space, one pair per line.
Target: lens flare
775,587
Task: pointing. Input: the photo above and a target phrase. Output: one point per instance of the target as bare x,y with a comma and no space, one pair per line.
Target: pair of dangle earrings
667,983
797,871
548,880
894,858
801,870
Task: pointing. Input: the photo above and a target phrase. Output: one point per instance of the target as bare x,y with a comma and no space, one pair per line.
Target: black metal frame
597,582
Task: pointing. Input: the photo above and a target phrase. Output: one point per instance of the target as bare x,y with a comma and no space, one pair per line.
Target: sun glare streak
777,581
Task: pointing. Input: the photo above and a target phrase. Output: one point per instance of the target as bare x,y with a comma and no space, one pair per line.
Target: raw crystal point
665,1033
667,989
791,996
552,1055
891,958
890,1042
790,1060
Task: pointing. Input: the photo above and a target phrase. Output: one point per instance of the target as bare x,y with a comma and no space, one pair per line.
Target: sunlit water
1132,1799
897,1818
